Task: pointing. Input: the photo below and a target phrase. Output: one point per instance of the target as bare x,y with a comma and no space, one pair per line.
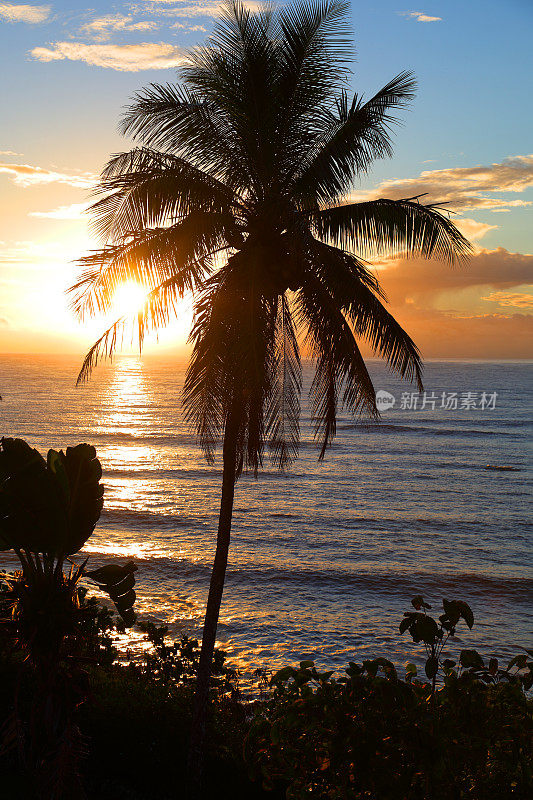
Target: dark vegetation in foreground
78,723
458,730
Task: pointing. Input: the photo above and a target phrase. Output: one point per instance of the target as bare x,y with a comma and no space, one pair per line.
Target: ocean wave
268,578
157,474
145,519
387,427
396,582
162,439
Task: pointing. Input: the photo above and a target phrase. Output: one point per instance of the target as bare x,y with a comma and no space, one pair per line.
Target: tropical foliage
48,510
172,663
369,734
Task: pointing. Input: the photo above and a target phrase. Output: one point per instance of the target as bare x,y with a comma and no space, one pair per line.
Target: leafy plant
369,734
434,636
175,663
470,664
48,510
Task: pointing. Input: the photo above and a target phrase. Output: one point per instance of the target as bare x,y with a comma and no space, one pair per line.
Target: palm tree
237,192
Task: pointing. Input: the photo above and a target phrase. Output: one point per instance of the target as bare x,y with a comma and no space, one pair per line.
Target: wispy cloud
120,57
465,187
28,175
29,253
10,12
511,299
9,153
202,8
103,27
186,8
193,28
420,16
73,211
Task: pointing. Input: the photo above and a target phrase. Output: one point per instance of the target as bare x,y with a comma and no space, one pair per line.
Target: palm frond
233,345
208,389
234,75
360,302
356,135
283,409
103,348
149,258
313,53
176,120
160,305
339,363
145,189
391,227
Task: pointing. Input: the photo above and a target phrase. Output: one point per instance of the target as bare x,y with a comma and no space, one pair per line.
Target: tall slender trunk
216,588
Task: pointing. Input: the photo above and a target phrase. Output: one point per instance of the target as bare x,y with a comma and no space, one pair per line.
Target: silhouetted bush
369,734
48,510
463,731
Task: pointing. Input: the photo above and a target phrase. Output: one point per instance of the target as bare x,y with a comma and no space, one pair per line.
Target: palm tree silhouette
237,192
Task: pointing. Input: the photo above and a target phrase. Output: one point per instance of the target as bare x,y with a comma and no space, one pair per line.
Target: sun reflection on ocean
134,550
125,412
126,404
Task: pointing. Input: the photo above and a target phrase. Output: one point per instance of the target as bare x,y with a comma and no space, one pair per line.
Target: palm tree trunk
216,588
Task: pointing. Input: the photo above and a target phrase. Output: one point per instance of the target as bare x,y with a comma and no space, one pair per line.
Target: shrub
48,510
369,734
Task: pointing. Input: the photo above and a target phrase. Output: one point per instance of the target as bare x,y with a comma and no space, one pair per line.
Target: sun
129,298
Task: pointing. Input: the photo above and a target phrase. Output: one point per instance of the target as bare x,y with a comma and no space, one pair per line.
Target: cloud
102,27
123,57
202,8
444,335
450,312
4,322
473,230
194,28
421,17
27,175
513,299
423,280
465,187
73,211
31,253
9,12
9,153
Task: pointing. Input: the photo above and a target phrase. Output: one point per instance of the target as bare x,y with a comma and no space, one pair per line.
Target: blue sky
68,69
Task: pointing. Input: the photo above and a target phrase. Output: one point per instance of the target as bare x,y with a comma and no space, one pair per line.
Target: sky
68,69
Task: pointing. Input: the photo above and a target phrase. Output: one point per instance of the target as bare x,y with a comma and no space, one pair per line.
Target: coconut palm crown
237,193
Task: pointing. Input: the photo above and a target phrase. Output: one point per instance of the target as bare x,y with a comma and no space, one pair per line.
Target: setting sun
129,298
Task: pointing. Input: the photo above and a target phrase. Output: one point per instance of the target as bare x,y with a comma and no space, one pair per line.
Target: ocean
325,558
